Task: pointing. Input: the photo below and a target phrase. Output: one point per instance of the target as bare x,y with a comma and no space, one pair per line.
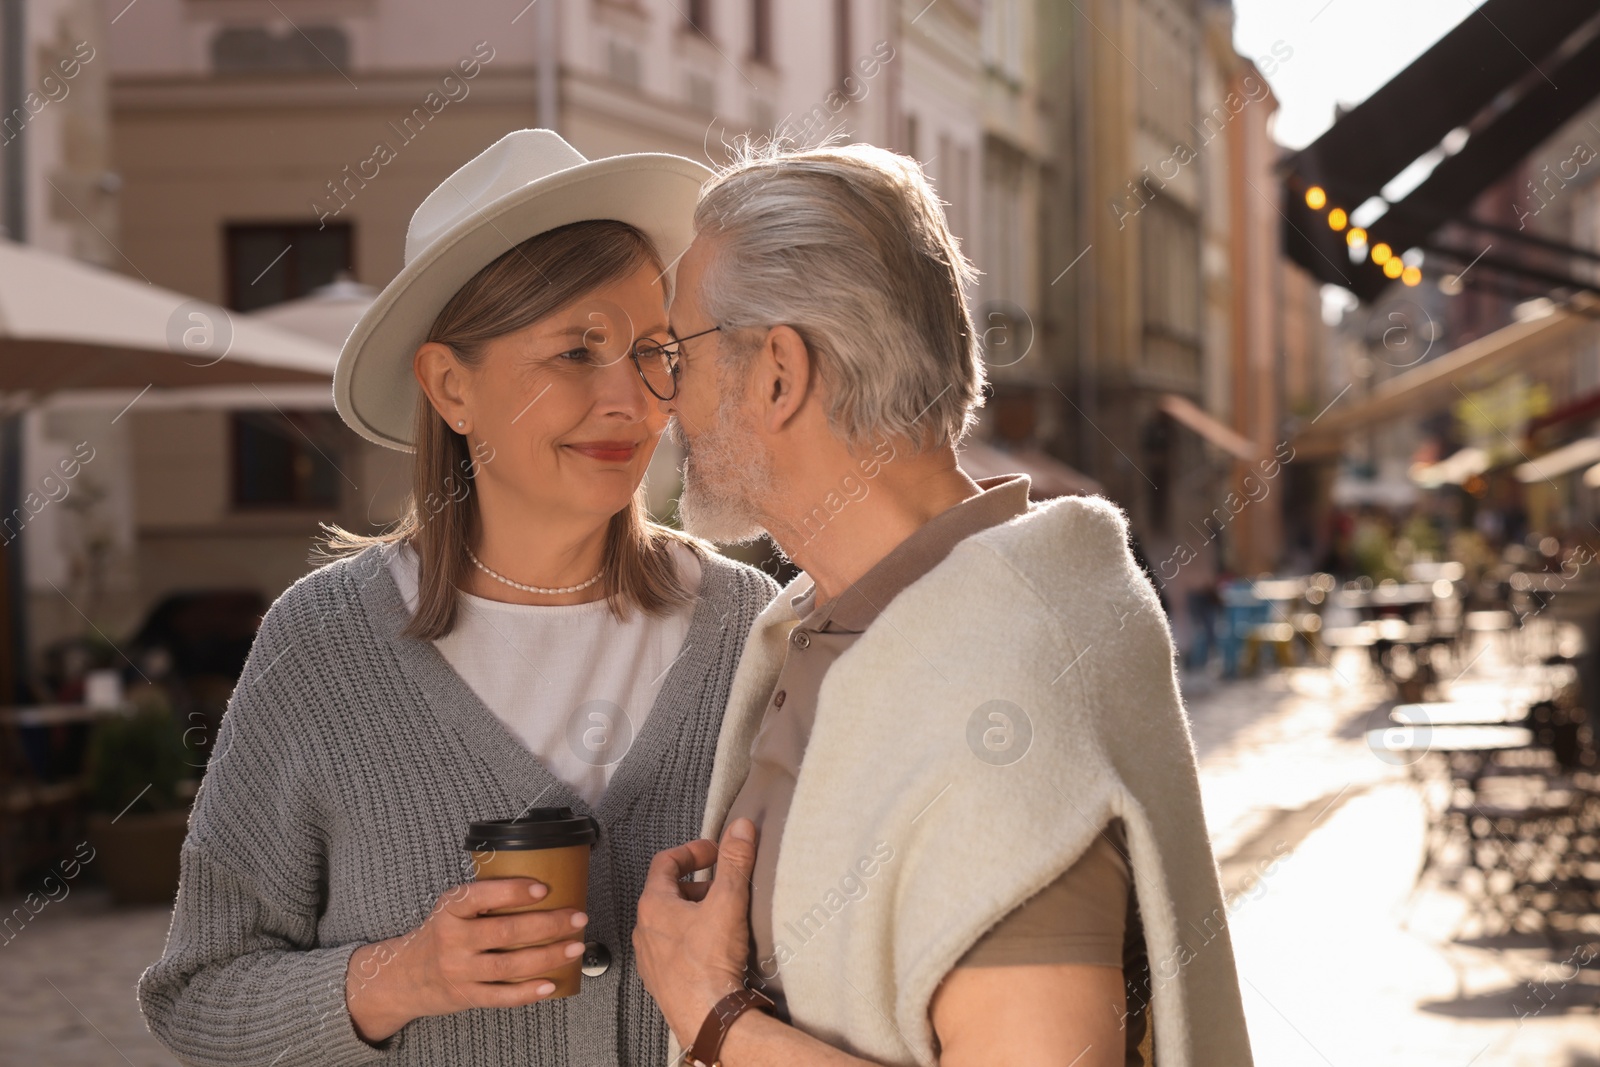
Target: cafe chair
36,813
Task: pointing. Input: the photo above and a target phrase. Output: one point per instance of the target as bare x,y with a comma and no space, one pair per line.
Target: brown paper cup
550,845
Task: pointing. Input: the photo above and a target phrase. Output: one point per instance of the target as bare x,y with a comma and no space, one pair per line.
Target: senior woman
524,637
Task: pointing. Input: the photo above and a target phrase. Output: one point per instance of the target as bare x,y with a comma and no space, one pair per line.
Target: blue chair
1242,611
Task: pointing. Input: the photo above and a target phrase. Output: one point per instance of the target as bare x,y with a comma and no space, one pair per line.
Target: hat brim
374,387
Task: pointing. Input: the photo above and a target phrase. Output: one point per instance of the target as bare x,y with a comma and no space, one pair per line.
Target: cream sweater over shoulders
915,826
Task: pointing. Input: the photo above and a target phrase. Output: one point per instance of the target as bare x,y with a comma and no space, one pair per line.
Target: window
286,459
1169,256
268,264
1156,445
702,94
698,14
622,64
1169,269
1167,47
841,41
1001,39
961,194
761,30
1001,238
252,49
952,164
763,119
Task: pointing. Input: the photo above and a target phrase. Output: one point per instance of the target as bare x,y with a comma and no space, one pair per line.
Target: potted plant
139,806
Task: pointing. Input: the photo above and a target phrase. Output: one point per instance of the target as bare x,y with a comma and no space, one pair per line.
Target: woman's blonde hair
537,278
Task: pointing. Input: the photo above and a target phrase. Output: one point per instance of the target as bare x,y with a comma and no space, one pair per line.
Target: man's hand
459,957
692,938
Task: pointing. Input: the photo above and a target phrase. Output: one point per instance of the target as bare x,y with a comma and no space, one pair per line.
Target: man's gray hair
849,246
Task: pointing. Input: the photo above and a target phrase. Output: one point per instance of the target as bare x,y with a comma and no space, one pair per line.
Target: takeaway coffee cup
548,844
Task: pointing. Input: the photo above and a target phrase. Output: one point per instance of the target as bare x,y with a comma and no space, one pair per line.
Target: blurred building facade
58,188
1177,336
252,151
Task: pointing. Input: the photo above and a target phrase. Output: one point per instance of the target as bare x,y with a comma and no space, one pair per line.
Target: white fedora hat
527,182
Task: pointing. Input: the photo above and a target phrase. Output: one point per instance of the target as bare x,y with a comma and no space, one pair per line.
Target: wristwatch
707,1045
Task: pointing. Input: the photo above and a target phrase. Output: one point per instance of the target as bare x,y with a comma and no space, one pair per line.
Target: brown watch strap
708,1044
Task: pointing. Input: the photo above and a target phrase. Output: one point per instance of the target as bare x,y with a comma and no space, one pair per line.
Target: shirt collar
1001,499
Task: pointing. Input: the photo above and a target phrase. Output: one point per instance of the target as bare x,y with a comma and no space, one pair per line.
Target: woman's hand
692,938
452,961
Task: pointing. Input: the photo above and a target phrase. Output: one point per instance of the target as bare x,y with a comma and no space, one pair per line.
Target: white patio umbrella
70,325
327,313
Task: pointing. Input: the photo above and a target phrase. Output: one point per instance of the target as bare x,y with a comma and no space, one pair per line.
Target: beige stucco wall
168,515
194,159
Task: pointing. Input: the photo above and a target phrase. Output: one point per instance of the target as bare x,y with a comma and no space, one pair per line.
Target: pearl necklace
532,588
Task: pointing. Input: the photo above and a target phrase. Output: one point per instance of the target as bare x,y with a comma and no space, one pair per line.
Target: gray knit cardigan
332,813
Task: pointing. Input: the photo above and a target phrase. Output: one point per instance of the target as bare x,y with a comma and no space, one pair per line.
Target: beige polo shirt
1088,915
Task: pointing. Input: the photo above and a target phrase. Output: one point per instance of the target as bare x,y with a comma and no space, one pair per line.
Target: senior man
957,735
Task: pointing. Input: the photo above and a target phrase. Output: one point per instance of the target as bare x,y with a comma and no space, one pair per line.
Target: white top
572,682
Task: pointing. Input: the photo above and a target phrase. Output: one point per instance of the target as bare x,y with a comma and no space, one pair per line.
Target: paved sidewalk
1339,966
67,985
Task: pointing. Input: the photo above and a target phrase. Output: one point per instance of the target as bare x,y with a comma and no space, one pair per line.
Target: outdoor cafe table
1459,713
1466,747
1457,737
36,774
1524,686
26,749
53,714
1279,590
1399,595
1579,603
1400,632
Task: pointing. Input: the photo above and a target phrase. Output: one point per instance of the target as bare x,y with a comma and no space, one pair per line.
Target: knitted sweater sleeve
242,979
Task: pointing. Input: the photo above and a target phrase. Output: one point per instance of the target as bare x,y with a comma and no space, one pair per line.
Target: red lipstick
607,451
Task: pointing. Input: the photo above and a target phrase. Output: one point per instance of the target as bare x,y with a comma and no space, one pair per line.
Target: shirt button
778,700
802,639
596,959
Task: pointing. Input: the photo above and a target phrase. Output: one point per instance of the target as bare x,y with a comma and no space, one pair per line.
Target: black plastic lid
538,828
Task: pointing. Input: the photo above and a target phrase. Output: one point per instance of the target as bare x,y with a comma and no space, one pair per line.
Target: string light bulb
1356,236
1381,253
1411,275
1392,267
1316,197
1337,219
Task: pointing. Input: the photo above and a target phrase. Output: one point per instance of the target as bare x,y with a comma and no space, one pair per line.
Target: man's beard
725,472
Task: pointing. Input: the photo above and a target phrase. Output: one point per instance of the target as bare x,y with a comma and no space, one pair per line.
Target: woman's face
556,413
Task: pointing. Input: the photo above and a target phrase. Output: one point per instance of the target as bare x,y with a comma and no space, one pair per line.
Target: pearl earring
460,422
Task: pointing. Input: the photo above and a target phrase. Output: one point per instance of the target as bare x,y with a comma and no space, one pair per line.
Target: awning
1564,460
1454,469
1439,381
1478,101
290,396
1586,406
1210,429
69,325
1348,491
1049,476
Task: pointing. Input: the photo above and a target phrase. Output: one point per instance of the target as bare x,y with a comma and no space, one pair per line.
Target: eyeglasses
659,364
